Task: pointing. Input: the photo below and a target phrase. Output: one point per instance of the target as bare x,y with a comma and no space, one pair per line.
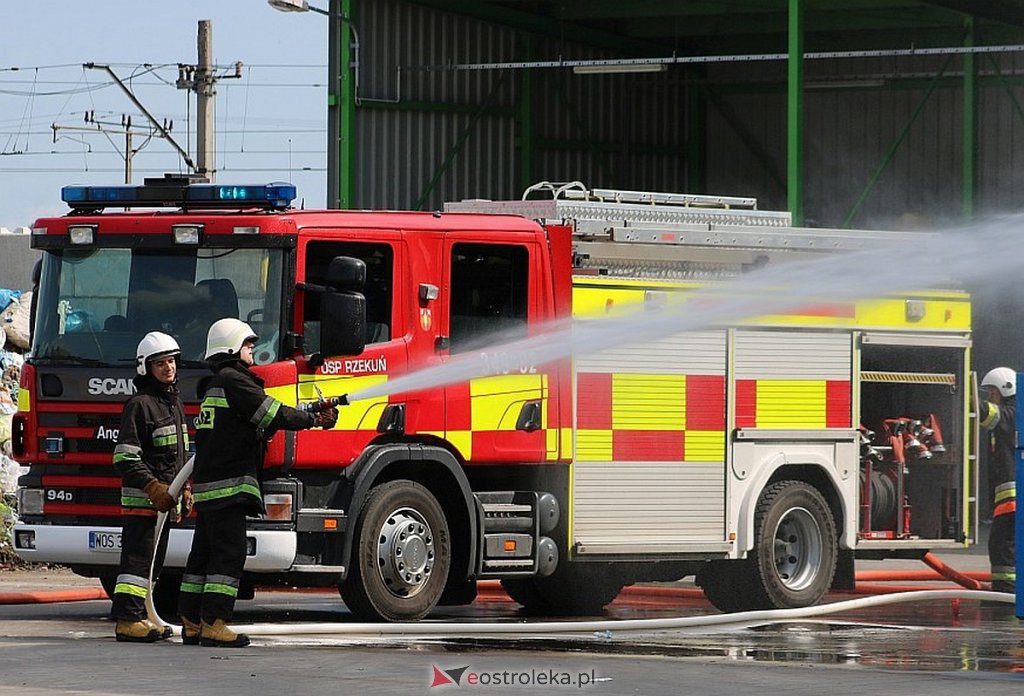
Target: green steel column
970,125
794,114
527,136
341,108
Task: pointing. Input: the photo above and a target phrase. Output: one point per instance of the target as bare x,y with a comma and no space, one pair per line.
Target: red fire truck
762,458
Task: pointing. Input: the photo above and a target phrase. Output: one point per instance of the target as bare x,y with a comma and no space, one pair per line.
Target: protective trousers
137,538
214,569
1002,553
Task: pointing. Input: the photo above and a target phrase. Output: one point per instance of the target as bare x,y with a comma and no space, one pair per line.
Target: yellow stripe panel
594,445
24,401
551,444
497,401
705,445
783,403
566,448
945,310
594,302
648,402
462,440
359,415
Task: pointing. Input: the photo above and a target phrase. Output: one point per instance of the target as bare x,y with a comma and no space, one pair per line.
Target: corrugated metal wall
629,131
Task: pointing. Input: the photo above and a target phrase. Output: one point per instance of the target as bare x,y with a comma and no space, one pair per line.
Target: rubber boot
189,632
165,632
137,632
219,635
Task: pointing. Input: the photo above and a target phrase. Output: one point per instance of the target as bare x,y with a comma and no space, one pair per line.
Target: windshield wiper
69,360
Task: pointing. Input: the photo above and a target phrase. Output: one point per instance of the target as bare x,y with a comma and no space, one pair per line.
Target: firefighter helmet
153,346
227,336
1002,378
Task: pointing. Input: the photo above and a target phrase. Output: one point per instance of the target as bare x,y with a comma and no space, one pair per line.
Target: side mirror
342,323
342,307
346,273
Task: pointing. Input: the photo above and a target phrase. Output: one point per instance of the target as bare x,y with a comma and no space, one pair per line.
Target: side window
489,296
379,260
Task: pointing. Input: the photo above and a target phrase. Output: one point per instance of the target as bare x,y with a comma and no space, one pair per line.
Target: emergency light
174,192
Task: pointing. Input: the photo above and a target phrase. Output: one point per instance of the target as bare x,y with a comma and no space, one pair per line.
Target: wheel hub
798,549
405,552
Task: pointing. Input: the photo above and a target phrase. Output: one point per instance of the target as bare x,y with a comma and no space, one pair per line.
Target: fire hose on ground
732,620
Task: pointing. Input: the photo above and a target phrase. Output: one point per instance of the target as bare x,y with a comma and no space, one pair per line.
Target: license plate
105,541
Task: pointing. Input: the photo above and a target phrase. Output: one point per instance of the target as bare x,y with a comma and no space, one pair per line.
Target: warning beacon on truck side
762,458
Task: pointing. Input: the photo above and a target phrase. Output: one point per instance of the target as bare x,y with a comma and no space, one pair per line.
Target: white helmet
153,346
227,336
1002,378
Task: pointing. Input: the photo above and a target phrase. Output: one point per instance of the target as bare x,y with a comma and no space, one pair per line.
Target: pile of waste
14,342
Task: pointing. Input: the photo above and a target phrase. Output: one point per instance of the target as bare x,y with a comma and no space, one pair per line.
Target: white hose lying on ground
174,490
428,628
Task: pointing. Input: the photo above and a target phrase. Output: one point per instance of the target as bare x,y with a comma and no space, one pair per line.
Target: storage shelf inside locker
920,495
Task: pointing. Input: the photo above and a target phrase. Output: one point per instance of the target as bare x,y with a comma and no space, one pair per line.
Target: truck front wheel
401,554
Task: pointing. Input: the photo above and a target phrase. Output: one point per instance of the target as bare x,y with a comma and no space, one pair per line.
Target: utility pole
124,128
205,91
201,78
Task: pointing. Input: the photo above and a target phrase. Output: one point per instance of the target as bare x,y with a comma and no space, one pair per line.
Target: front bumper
67,545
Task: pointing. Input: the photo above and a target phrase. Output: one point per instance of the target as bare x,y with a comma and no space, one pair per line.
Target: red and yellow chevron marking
482,416
650,417
779,403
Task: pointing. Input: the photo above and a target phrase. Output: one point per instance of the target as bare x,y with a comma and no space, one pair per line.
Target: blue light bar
178,193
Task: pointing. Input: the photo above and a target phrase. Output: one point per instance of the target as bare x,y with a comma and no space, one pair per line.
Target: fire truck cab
762,457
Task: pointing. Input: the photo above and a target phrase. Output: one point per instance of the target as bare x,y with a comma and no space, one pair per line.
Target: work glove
159,496
186,501
326,419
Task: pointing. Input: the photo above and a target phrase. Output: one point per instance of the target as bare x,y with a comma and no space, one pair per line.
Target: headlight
81,234
186,234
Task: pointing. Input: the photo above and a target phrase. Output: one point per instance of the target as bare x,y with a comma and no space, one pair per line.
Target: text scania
356,366
110,386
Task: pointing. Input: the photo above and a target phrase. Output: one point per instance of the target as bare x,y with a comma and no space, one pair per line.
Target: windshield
95,305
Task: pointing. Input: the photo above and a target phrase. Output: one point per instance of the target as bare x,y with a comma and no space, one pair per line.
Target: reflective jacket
235,419
151,442
1001,420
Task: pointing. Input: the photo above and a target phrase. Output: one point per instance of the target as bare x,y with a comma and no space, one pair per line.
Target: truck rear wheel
401,555
570,591
794,555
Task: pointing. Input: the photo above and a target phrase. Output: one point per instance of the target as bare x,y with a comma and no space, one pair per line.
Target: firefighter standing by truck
236,419
997,413
151,446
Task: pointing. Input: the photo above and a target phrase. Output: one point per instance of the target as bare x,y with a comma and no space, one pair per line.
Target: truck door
385,354
492,298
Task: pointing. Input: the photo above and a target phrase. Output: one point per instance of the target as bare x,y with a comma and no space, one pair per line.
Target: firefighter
997,413
235,421
151,447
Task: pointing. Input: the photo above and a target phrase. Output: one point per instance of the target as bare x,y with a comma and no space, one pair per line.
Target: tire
570,591
726,584
399,520
795,547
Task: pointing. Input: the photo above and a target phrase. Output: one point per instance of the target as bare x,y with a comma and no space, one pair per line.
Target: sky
270,123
